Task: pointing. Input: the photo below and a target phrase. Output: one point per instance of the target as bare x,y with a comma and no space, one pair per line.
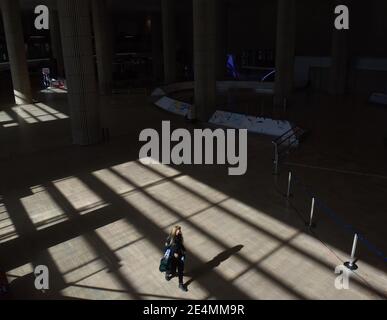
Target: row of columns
102,30
56,44
76,35
285,46
13,30
72,48
204,37
102,26
218,18
210,21
168,16
340,58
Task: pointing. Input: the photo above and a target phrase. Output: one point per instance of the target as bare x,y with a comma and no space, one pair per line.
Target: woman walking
175,243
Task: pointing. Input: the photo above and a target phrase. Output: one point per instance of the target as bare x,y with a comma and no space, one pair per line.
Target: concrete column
56,42
204,31
285,50
75,27
103,45
340,58
157,50
169,39
13,30
221,38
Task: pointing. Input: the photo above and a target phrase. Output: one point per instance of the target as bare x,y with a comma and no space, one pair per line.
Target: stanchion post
289,184
351,265
275,159
310,224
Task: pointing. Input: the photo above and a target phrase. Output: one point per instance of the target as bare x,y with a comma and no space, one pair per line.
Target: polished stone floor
98,218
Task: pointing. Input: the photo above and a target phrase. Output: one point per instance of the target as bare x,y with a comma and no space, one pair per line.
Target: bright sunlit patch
79,195
39,112
21,113
114,182
37,189
155,212
119,234
137,174
53,90
61,115
21,98
202,190
75,258
129,176
33,110
5,117
156,198
158,166
185,185
251,226
42,209
20,272
273,259
84,265
258,218
90,292
8,125
46,118
7,228
51,111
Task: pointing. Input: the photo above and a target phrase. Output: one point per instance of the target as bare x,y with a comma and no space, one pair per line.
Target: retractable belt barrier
339,221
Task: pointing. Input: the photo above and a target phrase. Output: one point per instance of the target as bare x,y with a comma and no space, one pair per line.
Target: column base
21,99
351,266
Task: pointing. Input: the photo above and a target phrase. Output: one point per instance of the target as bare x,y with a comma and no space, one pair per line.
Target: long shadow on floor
249,191
210,265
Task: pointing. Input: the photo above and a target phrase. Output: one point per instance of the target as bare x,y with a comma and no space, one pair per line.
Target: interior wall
251,27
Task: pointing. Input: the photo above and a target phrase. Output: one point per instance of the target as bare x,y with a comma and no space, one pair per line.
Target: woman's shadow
210,265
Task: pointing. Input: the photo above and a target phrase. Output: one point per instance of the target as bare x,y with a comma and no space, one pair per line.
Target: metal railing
280,147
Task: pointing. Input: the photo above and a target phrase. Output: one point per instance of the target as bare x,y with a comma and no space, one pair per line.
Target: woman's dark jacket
176,246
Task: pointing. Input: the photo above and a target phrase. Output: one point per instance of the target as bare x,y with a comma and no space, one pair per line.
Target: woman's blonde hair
172,234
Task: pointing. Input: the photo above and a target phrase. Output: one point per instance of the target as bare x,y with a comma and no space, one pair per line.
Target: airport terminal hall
193,150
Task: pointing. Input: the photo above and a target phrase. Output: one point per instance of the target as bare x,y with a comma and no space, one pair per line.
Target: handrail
294,134
288,146
286,139
278,138
275,158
